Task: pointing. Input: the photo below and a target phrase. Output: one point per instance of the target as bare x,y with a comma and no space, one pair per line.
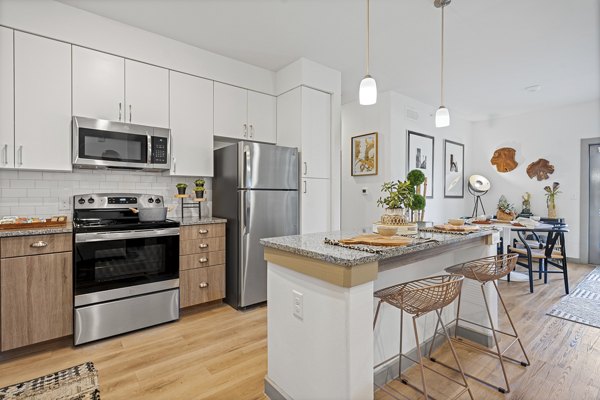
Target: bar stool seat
487,270
418,298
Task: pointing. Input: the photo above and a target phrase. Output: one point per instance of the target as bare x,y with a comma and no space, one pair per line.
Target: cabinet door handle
304,182
130,113
203,231
251,131
39,244
203,260
203,245
245,130
203,285
5,154
21,155
120,109
305,167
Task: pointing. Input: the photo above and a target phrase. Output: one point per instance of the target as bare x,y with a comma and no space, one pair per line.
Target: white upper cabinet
191,125
42,103
98,85
262,117
243,114
316,136
289,119
231,111
146,94
7,132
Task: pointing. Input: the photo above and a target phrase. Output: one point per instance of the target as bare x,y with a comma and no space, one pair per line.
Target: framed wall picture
420,156
454,171
365,154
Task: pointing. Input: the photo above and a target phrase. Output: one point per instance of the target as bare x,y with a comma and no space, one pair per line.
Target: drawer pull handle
203,285
203,260
39,244
203,245
203,231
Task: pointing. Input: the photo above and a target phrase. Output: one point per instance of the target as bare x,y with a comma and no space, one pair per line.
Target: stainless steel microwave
100,143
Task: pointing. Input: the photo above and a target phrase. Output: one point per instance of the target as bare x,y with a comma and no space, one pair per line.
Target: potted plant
418,206
551,193
199,190
506,211
181,187
526,205
399,198
199,182
417,178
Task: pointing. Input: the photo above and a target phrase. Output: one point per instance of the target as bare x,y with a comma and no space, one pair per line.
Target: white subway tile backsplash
19,184
48,184
38,192
29,175
14,192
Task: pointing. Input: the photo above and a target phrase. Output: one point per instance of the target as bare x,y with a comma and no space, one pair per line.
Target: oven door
110,265
100,143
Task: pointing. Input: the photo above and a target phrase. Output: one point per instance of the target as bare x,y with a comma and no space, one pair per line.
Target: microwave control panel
159,150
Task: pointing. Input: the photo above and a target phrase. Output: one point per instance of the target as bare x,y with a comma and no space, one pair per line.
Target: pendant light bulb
442,117
367,94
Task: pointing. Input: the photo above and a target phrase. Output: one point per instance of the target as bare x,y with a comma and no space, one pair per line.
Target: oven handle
108,236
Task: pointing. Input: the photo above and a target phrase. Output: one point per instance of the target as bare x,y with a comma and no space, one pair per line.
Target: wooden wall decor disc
504,159
541,169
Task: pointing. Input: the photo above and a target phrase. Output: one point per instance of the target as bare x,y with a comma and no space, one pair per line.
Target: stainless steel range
126,272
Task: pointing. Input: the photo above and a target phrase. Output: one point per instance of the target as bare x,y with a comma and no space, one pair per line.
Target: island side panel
387,331
327,353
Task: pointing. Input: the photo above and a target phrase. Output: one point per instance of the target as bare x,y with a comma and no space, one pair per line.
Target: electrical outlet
64,204
298,299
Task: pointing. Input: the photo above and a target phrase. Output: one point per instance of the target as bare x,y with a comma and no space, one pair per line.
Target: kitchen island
321,342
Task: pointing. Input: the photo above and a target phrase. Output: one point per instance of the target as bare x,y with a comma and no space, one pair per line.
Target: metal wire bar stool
418,298
487,270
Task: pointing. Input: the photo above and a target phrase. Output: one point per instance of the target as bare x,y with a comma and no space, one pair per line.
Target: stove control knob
150,200
81,201
157,201
91,200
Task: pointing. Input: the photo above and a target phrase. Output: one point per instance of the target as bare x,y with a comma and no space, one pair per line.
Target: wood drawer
202,231
201,246
201,260
34,245
201,285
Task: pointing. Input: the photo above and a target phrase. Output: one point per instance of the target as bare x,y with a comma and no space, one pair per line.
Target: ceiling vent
412,114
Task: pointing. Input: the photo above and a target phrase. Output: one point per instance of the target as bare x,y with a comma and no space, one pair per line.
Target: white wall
62,22
389,118
41,194
554,134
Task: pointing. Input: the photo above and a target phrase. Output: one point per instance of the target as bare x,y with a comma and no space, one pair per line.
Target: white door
42,103
314,212
231,111
289,119
191,125
316,133
98,85
7,116
146,94
262,117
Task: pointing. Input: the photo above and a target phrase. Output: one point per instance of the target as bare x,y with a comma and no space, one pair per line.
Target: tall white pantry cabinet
304,121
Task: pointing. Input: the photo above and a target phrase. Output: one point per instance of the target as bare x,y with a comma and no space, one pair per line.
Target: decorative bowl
456,222
386,230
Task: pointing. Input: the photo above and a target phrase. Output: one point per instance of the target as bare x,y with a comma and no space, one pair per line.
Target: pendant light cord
368,31
442,63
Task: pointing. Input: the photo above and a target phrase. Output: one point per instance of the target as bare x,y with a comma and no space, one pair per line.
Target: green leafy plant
399,195
551,193
199,182
416,177
418,202
505,206
181,185
199,189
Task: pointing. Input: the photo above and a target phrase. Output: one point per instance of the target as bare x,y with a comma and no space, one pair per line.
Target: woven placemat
376,249
76,383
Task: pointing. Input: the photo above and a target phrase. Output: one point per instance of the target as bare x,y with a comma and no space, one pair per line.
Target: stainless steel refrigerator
255,187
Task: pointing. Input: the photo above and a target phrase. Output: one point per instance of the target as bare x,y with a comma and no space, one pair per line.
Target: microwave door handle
149,137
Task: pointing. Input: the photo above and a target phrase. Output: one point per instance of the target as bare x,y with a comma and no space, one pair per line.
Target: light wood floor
219,353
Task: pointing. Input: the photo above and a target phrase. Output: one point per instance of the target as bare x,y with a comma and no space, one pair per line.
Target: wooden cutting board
454,228
378,240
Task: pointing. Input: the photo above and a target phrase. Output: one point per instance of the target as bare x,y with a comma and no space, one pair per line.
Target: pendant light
442,116
367,94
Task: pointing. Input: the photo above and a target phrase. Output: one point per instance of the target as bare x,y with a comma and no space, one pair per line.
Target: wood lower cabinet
201,264
36,299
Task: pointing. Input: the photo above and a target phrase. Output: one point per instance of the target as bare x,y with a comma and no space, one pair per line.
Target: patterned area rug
583,304
75,383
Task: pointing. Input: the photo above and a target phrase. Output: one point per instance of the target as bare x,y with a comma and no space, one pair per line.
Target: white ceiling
494,48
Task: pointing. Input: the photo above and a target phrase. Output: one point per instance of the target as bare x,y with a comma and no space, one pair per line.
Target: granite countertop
196,221
313,246
39,231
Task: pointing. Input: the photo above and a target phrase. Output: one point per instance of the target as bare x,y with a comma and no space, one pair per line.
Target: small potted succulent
199,182
506,211
551,193
199,190
181,187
